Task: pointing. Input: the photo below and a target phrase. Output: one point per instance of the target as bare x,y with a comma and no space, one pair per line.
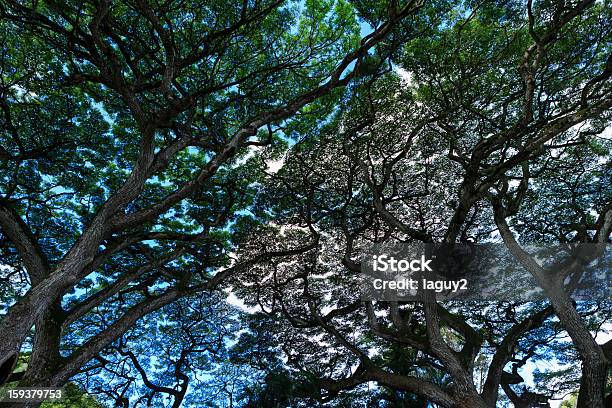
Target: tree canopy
187,189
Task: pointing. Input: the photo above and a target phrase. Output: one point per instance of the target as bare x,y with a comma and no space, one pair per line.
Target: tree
126,132
136,159
497,122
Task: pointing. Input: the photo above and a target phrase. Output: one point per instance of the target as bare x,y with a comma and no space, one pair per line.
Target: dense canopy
187,189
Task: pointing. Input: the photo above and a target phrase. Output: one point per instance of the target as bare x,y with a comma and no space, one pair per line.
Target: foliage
156,156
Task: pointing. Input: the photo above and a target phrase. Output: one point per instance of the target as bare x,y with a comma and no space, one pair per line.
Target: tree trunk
34,308
45,356
594,362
